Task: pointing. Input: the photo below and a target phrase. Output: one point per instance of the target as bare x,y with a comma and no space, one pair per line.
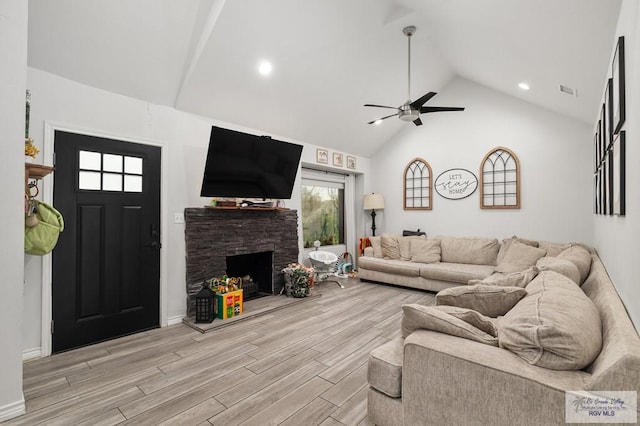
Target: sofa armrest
451,380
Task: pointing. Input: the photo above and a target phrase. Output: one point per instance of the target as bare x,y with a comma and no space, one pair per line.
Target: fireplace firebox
257,266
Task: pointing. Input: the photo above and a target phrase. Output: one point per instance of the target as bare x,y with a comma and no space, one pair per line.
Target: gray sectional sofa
433,378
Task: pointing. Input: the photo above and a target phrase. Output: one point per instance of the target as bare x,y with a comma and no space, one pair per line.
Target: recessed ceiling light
265,68
377,122
524,86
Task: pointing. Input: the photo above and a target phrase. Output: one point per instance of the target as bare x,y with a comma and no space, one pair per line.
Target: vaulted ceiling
329,56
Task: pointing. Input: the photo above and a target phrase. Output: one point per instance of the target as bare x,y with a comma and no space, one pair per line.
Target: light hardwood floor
303,365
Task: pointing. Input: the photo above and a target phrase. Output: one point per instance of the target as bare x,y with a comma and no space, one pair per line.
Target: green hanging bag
42,238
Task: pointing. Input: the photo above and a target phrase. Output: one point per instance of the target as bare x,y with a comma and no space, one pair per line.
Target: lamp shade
373,202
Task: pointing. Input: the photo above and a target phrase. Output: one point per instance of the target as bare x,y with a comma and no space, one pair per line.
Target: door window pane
90,160
111,182
133,165
89,180
112,163
132,183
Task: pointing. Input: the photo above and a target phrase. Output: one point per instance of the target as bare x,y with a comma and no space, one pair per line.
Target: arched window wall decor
500,180
418,185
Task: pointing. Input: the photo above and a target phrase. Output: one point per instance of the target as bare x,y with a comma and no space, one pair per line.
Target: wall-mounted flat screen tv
242,165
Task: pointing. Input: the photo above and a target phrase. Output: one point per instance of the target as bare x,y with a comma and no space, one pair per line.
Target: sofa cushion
476,319
405,245
562,266
556,326
491,301
514,279
398,267
552,249
377,247
424,251
476,251
455,272
384,371
579,256
518,257
416,317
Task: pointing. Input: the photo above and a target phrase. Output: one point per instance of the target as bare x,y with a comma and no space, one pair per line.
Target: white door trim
47,188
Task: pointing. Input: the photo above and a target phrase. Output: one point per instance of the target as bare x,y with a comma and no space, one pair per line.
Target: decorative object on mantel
500,180
456,184
373,202
418,185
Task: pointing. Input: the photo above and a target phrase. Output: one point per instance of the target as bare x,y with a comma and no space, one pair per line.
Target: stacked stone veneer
213,234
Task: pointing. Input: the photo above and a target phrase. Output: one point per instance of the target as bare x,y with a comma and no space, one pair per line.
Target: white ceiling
329,56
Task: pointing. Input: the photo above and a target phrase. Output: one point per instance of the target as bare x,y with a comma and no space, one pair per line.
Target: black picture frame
596,192
610,182
619,174
618,89
607,128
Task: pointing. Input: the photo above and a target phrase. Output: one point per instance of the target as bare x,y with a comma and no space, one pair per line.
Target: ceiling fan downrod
409,31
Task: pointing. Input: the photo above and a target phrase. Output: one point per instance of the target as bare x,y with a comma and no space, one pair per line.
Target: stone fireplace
220,241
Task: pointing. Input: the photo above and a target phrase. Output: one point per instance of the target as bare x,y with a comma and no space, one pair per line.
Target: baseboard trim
175,320
12,410
33,353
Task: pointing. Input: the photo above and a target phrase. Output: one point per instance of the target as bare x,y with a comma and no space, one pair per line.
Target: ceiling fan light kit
410,111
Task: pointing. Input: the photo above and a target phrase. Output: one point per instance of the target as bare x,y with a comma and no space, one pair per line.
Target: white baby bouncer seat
325,263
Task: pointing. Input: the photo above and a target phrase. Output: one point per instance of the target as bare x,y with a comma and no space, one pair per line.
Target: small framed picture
322,156
617,70
619,166
337,159
351,162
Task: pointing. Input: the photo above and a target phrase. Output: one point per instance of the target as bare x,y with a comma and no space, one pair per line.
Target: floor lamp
373,202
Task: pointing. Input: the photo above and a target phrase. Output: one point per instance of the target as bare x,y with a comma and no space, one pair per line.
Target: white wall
554,153
184,138
616,238
13,78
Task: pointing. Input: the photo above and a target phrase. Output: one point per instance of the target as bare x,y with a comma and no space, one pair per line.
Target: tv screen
248,166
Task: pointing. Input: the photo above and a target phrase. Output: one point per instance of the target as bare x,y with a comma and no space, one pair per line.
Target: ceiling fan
410,111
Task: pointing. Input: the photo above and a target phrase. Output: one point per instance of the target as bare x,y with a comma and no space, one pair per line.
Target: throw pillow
405,243
377,247
424,251
562,266
514,279
579,256
507,241
556,326
552,249
390,246
476,319
492,301
416,317
519,257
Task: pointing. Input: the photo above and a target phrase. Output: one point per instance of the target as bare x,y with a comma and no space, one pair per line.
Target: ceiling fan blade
378,119
425,110
417,122
421,101
380,106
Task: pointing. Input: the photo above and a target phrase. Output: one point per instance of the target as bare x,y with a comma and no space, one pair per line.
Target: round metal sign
456,184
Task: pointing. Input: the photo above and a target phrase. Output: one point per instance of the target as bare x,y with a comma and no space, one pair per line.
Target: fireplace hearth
212,236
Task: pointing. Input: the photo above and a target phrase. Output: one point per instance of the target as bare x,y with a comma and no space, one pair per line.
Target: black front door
106,265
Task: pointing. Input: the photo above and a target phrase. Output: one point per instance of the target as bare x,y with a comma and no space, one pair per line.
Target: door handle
155,237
